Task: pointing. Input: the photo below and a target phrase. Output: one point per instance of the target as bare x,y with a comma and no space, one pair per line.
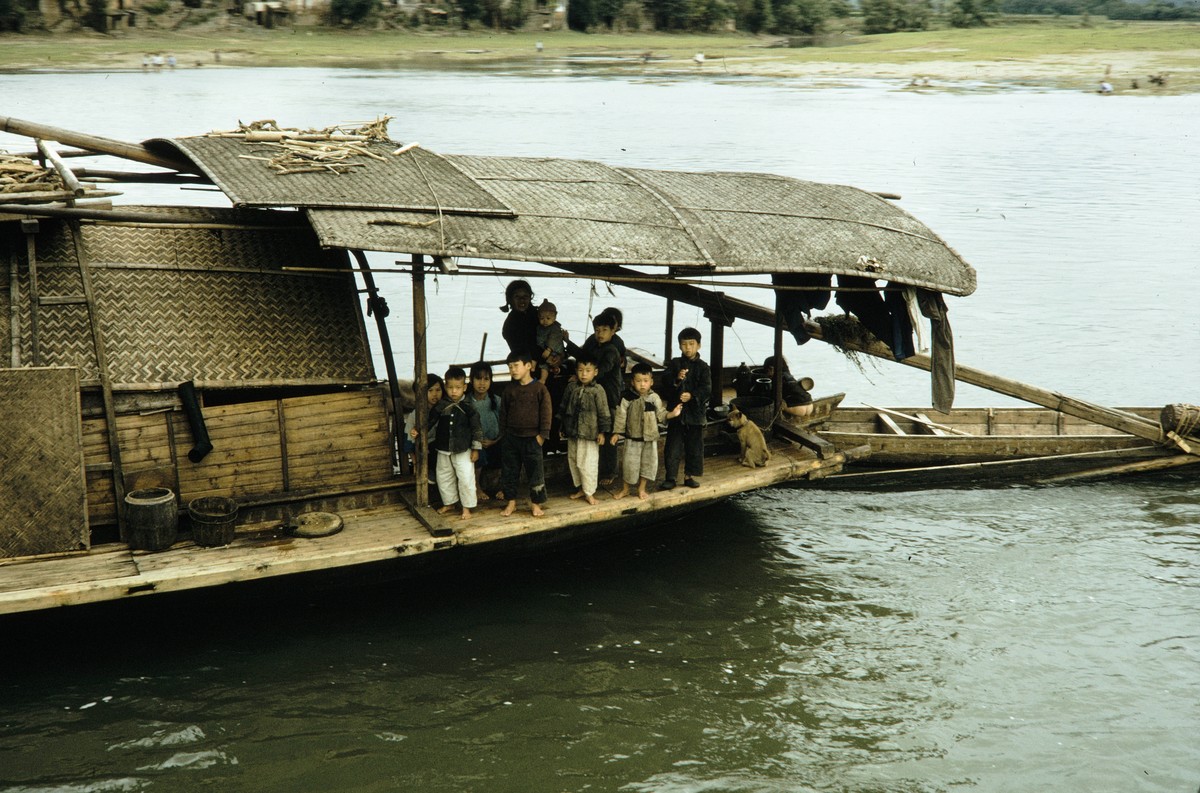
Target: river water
999,640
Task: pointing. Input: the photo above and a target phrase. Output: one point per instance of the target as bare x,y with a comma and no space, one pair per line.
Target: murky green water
997,640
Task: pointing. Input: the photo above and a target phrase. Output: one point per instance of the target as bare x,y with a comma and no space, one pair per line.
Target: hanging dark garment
795,306
933,306
867,306
901,338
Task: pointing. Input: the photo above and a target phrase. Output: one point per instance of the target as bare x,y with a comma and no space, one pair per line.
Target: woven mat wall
211,305
43,497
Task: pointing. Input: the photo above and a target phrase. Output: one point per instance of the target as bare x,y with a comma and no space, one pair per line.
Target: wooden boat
221,353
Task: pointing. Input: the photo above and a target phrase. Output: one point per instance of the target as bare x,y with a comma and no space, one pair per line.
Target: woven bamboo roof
577,211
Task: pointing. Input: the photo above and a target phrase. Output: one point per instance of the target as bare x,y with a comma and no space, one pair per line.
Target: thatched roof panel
573,211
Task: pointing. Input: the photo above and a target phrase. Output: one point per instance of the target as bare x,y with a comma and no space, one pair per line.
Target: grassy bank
1053,52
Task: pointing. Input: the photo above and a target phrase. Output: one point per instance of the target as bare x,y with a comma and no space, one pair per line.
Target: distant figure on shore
1105,87
1133,85
1159,79
698,58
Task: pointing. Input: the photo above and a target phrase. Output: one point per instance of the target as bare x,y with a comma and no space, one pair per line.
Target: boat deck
378,526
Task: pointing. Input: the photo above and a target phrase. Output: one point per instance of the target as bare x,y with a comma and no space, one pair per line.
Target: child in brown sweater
525,415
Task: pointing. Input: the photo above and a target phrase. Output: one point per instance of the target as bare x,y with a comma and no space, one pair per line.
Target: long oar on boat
117,148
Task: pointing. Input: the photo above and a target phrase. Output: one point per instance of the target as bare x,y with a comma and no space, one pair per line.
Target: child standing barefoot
586,423
525,415
638,416
457,437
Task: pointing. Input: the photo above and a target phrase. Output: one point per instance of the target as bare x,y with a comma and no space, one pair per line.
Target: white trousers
583,458
641,459
456,479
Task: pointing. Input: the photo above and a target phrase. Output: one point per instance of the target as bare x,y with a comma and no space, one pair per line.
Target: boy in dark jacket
688,383
610,377
525,415
457,436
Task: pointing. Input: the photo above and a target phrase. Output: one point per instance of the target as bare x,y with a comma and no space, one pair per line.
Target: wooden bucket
213,520
760,410
151,518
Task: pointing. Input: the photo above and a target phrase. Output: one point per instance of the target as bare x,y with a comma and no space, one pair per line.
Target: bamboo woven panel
176,304
586,212
43,499
417,179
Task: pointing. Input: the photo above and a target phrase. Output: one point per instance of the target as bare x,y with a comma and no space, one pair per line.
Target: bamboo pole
1160,464
64,172
14,311
741,309
420,380
385,343
919,420
117,148
267,218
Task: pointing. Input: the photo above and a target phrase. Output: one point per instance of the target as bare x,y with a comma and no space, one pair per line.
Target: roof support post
778,370
377,307
719,320
420,380
668,342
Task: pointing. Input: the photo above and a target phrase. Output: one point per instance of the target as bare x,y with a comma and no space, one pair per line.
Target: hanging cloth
933,306
796,306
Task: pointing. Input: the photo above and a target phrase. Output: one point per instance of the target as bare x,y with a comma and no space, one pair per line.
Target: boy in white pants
457,436
586,422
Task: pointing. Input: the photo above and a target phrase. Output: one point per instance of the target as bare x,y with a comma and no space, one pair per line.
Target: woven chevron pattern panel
417,179
176,304
43,501
229,328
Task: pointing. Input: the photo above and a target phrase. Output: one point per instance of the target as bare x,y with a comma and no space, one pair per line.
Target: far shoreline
1056,55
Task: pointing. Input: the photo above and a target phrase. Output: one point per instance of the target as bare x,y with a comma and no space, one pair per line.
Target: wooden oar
1158,464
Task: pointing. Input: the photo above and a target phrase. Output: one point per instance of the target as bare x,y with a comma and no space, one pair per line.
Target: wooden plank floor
371,534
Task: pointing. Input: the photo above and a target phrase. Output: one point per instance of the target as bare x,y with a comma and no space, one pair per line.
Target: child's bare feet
446,510
578,493
482,496
624,491
537,510
642,494
591,499
466,515
607,481
509,509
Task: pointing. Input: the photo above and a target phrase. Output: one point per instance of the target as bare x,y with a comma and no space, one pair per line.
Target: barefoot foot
643,495
621,493
466,515
509,509
592,500
537,510
447,509
577,494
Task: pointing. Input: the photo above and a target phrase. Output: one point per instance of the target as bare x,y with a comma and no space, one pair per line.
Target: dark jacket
698,383
608,372
584,411
455,426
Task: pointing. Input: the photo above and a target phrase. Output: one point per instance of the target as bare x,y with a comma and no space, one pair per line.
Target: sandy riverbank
1053,54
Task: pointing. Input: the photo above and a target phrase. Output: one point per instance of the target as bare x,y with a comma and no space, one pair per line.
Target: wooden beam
1159,464
889,424
420,381
69,178
117,148
931,426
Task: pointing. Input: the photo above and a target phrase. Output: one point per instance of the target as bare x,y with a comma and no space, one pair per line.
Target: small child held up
525,414
586,422
456,434
689,386
551,345
638,416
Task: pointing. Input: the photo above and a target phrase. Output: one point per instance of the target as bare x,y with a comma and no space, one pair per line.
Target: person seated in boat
586,423
456,434
525,414
638,418
487,405
521,324
688,383
549,341
433,394
797,401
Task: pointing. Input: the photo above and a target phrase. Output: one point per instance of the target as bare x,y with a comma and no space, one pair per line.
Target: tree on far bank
12,16
351,10
894,16
800,16
971,13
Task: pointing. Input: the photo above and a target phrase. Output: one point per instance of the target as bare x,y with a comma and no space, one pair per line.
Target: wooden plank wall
981,421
260,449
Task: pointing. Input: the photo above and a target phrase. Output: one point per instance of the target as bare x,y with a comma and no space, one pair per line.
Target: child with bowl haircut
586,422
689,387
525,414
457,436
638,416
487,405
